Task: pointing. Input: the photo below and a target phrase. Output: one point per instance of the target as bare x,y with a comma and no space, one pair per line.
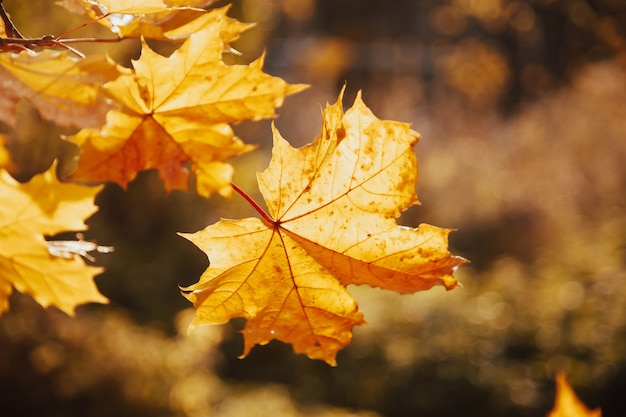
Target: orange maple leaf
331,223
567,403
176,117
64,89
44,206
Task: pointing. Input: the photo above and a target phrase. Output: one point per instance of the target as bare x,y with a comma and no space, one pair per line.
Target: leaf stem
253,203
91,40
79,27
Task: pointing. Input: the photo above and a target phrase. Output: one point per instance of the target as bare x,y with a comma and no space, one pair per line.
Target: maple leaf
97,9
185,23
331,223
167,21
43,206
567,403
4,154
3,31
64,89
176,117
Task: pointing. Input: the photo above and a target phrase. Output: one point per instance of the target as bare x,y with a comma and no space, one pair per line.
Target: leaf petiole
79,27
254,204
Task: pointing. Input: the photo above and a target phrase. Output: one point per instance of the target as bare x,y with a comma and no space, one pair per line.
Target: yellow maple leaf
184,23
64,89
3,31
168,21
567,403
331,223
43,206
4,154
176,117
96,9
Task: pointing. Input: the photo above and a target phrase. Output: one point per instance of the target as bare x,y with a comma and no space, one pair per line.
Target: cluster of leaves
331,204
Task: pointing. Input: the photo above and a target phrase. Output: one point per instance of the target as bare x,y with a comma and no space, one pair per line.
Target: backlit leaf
169,20
176,117
332,208
178,24
28,212
98,8
64,89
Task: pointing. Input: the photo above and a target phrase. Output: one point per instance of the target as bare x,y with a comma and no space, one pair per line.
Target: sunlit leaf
332,206
169,20
176,117
64,89
28,212
179,24
99,8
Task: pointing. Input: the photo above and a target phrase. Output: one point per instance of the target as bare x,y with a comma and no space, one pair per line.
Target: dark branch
49,41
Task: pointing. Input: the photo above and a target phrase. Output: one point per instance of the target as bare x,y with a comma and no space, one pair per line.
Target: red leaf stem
254,204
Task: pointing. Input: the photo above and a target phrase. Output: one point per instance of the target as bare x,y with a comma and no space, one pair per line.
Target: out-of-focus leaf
567,403
64,89
43,206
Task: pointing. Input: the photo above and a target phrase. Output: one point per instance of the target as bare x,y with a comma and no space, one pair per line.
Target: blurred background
522,109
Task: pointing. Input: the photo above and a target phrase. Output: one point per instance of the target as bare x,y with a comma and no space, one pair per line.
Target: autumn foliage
331,223
43,206
119,151
331,205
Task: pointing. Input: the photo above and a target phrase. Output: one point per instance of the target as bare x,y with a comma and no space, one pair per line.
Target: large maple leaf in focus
332,208
176,115
43,206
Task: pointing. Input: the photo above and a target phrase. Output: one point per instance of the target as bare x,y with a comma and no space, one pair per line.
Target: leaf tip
567,403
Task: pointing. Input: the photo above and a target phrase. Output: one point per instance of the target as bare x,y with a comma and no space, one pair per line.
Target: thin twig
91,22
49,41
69,48
46,41
90,40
